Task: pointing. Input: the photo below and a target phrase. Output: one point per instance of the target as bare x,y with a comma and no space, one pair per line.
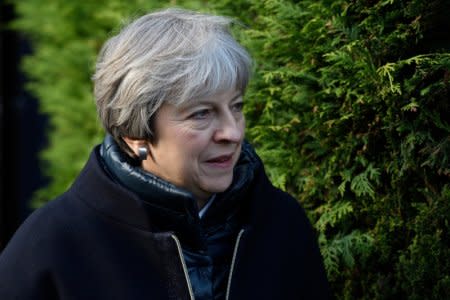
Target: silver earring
142,153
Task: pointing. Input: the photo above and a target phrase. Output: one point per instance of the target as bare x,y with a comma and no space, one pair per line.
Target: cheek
183,137
190,143
189,135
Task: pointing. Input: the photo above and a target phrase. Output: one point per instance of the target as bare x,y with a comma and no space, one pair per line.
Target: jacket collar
149,187
169,208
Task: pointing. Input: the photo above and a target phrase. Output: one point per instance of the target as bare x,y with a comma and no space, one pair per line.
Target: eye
237,107
200,114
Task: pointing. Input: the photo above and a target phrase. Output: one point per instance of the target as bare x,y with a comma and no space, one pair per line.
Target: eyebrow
189,105
239,94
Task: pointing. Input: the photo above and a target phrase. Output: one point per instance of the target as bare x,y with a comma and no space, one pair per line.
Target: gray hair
170,56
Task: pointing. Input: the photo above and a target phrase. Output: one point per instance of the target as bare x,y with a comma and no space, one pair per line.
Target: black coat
96,242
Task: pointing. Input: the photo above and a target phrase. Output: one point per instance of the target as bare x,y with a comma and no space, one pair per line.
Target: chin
219,186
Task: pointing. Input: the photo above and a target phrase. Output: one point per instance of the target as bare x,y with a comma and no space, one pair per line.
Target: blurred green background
348,108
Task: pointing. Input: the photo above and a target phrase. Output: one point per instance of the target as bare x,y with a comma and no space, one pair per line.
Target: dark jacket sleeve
314,275
317,278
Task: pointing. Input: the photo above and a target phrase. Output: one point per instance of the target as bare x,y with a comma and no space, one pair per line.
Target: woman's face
198,144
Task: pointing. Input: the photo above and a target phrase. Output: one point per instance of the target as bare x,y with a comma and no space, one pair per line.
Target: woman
174,204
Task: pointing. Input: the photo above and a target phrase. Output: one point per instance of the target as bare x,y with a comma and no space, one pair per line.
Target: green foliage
349,109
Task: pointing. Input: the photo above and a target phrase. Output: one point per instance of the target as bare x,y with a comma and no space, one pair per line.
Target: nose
230,129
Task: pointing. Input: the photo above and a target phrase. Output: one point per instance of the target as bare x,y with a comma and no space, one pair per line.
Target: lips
222,161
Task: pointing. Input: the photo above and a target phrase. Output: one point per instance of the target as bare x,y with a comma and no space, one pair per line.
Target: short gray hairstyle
172,56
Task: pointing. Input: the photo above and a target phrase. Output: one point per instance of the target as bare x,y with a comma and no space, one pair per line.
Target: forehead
219,97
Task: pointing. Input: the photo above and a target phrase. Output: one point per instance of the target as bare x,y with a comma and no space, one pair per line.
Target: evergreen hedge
349,109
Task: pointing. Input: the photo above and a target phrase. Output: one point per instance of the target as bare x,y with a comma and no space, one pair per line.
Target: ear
137,145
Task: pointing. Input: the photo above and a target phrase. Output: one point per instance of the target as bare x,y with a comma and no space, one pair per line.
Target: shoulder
268,194
45,225
271,203
288,210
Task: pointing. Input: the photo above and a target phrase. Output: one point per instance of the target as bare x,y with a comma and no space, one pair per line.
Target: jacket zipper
236,246
183,263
